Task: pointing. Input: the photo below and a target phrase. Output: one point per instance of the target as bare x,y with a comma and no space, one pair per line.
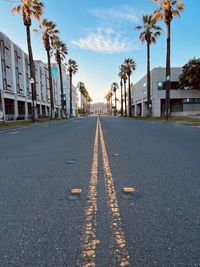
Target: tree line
166,11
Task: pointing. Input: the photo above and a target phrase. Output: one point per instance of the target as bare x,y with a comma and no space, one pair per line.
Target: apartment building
183,102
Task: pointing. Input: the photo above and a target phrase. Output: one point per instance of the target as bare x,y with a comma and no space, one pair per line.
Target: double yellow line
89,240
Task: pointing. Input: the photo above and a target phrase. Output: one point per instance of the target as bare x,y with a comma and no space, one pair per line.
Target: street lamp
33,104
168,79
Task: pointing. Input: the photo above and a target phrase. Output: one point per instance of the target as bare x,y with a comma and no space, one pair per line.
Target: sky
100,34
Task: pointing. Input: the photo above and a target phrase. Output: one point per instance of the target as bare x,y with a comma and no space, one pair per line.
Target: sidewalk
193,120
19,124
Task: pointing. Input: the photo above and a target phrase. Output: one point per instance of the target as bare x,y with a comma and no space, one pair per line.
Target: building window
162,85
191,101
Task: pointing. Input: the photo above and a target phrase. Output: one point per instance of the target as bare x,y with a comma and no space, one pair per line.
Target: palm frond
16,9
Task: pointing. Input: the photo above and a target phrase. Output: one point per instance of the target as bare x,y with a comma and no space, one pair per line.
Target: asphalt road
159,223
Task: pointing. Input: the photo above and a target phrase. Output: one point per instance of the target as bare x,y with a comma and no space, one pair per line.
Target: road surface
157,225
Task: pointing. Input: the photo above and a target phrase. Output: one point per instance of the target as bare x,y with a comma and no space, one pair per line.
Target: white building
183,102
15,87
98,109
74,101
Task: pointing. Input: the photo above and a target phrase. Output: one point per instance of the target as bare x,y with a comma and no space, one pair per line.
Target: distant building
98,109
183,102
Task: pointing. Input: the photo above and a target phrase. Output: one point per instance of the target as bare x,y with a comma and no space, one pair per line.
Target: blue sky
100,35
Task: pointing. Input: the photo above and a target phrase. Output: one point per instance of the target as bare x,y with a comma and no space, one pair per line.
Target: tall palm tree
114,88
149,34
89,100
167,10
130,66
81,87
107,97
60,51
111,100
30,9
49,34
85,95
72,68
124,78
121,90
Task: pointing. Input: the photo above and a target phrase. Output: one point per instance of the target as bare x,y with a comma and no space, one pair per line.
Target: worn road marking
89,241
121,252
14,132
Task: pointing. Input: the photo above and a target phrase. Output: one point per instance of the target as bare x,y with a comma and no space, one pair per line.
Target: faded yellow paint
89,240
121,252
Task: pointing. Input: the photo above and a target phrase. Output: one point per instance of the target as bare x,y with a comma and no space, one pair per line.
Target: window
191,101
162,85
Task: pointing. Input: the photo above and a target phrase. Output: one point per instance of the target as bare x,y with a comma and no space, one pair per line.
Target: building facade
183,102
98,109
15,87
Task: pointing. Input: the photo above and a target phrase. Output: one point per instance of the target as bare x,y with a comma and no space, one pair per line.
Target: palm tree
85,95
49,34
114,88
121,87
130,66
124,78
30,9
81,87
167,10
60,51
89,99
107,97
111,100
149,34
72,68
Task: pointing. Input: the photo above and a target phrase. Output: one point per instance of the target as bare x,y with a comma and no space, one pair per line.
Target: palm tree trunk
125,98
148,81
50,84
121,84
83,105
61,89
70,78
88,107
32,71
129,96
115,101
168,72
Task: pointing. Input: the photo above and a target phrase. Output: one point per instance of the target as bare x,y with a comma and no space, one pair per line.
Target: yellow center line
121,252
89,241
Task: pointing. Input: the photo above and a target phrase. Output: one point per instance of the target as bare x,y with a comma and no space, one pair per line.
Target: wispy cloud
105,41
125,13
